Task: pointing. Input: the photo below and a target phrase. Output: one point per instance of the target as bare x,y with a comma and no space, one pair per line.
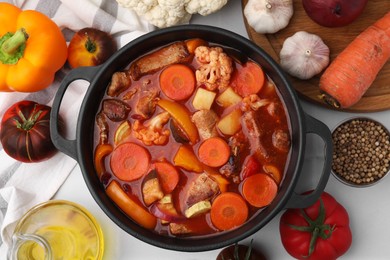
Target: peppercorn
361,151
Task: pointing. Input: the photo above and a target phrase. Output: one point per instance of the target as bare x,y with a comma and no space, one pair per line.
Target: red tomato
319,232
25,132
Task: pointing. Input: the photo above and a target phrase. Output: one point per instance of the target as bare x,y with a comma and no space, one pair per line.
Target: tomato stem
29,123
12,46
316,227
90,45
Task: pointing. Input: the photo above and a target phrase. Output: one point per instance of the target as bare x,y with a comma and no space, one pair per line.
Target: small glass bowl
57,229
375,175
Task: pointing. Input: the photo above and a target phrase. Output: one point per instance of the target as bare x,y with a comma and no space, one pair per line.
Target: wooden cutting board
377,97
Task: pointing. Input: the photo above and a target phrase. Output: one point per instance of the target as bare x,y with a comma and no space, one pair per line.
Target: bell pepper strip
32,50
182,117
135,211
319,232
223,183
102,150
251,166
274,172
186,159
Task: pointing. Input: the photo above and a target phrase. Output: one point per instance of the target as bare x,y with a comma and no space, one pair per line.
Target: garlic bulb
268,16
304,55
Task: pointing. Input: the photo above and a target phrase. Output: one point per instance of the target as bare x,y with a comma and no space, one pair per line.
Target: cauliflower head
166,13
152,132
254,102
204,7
216,67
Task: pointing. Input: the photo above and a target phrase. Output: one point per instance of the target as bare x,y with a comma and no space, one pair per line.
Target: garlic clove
268,16
304,55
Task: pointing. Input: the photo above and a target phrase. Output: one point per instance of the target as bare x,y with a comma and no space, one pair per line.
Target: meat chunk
205,121
254,135
229,171
238,146
216,67
151,189
179,228
120,81
115,110
202,188
103,127
129,94
274,109
254,132
150,63
281,140
146,105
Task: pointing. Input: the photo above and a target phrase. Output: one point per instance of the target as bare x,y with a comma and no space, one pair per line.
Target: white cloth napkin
24,185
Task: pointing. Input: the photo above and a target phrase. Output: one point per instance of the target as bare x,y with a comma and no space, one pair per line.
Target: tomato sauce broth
269,118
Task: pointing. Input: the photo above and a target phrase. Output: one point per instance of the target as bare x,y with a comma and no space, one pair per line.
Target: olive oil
69,233
65,243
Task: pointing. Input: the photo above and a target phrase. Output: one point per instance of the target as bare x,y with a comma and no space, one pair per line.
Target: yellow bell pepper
32,49
186,159
101,151
131,207
183,118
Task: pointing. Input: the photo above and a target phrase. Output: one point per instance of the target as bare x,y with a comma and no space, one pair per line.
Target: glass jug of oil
57,229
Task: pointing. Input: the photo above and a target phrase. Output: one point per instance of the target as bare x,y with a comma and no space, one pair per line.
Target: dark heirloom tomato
240,252
25,132
319,232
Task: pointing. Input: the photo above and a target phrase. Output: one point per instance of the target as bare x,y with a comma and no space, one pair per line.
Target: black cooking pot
82,147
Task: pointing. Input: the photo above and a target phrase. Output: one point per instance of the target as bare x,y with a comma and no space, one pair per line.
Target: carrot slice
130,161
177,81
229,210
135,211
249,80
167,175
214,152
259,189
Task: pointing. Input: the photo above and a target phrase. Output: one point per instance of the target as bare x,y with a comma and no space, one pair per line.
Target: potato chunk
198,208
203,99
151,190
228,98
230,124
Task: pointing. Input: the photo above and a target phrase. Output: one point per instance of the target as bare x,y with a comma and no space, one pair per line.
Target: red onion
334,13
163,212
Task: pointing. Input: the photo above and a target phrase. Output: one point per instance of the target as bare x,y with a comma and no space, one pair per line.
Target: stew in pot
191,139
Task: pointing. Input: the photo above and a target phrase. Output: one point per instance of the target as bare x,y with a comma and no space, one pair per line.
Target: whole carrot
352,72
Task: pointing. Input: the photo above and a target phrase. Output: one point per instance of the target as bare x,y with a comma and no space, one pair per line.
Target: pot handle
316,127
61,143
